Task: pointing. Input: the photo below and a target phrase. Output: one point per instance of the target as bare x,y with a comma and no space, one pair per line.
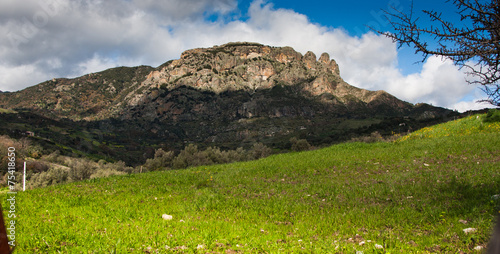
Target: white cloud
17,77
470,105
440,82
96,64
71,38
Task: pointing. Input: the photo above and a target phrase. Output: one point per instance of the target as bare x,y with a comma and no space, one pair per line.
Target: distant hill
228,96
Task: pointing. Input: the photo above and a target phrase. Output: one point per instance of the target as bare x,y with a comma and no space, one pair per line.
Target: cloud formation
68,38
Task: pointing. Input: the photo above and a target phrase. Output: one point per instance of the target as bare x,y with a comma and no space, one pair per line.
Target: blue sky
357,16
40,40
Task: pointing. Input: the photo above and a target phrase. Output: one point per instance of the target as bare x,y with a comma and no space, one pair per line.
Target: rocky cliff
251,67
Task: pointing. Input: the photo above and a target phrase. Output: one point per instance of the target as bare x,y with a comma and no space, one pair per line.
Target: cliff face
246,67
227,95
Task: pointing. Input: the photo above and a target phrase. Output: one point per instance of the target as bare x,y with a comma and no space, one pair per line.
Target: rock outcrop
249,67
241,66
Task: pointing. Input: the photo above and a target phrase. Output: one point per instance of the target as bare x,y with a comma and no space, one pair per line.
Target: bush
55,157
119,166
161,160
34,151
299,144
36,166
234,155
53,176
493,115
81,170
185,156
213,155
258,151
191,156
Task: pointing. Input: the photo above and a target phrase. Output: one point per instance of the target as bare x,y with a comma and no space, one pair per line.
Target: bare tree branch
473,43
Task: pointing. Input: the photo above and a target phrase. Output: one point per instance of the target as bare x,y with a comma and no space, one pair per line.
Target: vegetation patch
7,111
462,127
492,116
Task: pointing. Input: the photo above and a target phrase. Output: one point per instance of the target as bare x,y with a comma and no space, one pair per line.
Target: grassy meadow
413,195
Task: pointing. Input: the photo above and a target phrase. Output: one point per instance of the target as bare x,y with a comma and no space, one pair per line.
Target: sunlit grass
409,196
462,127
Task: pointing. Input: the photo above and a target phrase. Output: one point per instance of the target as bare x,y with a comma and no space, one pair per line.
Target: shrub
214,155
299,144
237,155
191,156
493,115
33,151
81,169
37,166
53,176
161,160
259,150
185,157
55,157
119,166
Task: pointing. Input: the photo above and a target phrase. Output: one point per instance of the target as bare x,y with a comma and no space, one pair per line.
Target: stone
167,217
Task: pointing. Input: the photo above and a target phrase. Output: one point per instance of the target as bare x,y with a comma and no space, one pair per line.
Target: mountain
230,96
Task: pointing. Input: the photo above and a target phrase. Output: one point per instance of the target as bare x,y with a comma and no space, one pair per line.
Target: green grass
408,196
7,111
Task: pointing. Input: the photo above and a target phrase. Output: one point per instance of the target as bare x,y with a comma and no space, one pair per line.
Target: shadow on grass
463,198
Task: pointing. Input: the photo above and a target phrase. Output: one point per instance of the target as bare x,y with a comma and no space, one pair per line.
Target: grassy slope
407,195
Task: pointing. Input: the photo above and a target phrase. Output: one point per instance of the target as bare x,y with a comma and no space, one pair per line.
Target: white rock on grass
470,230
478,248
167,217
378,246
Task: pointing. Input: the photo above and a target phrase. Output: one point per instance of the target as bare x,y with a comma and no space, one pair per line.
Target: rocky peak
309,59
243,66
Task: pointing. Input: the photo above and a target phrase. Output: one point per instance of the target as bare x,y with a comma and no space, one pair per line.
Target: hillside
208,74
229,96
435,191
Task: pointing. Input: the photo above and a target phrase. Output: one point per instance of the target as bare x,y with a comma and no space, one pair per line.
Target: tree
474,42
299,145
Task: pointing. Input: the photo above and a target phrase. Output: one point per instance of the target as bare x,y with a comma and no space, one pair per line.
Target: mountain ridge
229,67
229,96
